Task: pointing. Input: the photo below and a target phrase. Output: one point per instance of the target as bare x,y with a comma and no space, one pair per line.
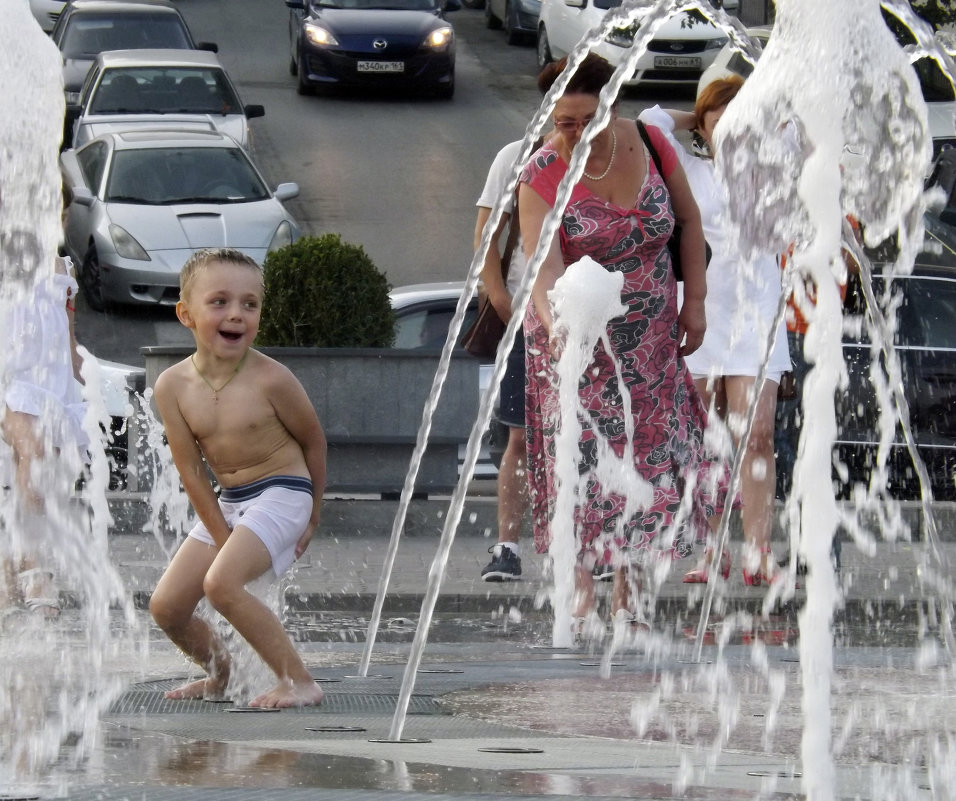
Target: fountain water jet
55,676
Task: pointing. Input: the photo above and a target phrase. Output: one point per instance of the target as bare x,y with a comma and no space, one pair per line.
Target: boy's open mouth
232,336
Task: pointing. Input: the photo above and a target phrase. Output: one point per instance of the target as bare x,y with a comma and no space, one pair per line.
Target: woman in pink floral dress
621,214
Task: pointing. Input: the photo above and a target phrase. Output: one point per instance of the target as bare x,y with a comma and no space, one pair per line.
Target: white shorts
276,509
772,375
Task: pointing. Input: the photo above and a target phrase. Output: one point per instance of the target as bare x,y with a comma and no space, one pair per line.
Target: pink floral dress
669,418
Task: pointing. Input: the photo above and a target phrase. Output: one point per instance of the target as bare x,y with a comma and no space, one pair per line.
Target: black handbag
673,244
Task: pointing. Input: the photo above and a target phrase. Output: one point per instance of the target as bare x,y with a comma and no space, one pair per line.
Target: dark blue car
374,44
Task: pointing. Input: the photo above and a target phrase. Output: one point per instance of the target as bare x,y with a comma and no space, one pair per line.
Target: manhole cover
403,740
336,729
254,709
440,670
324,681
370,676
507,749
779,774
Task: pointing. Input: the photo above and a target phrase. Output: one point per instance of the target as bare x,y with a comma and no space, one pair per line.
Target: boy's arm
189,462
296,413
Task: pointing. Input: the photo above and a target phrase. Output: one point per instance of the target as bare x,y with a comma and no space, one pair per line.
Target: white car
127,89
685,45
422,315
46,12
936,87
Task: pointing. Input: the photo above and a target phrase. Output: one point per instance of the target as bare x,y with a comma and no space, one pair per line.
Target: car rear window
87,35
150,90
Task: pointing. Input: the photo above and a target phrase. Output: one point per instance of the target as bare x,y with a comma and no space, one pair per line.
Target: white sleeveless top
40,364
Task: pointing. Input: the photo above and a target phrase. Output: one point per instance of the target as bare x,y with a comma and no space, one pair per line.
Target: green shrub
322,292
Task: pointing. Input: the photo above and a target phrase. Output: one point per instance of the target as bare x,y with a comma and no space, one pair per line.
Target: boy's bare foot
208,689
288,694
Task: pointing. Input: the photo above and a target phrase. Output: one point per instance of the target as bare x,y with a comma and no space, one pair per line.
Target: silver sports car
145,200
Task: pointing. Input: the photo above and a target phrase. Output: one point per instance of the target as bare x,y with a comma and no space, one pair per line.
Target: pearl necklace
610,161
215,391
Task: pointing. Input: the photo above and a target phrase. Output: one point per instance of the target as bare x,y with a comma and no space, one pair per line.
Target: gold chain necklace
215,391
610,161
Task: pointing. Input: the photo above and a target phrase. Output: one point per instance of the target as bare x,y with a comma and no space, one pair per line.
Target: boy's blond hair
201,259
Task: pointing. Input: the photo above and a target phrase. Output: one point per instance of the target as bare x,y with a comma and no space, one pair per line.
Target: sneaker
505,565
603,572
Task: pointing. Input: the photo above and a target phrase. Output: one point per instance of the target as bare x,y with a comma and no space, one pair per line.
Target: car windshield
147,90
393,5
171,175
90,34
926,311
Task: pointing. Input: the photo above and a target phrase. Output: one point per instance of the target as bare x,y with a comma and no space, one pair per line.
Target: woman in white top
43,410
741,303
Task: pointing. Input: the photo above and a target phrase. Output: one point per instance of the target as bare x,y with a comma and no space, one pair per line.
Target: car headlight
621,37
127,247
319,36
439,38
282,237
716,44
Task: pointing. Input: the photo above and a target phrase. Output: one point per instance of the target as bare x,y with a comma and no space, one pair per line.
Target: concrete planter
370,402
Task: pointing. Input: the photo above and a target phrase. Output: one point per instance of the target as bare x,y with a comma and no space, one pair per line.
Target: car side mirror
82,196
576,3
254,110
300,4
212,47
286,191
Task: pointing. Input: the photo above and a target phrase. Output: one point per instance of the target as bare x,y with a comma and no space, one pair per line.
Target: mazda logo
380,44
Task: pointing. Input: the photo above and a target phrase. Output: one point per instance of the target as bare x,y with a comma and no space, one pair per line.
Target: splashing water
55,676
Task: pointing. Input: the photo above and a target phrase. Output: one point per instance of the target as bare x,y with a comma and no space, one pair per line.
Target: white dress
39,362
741,299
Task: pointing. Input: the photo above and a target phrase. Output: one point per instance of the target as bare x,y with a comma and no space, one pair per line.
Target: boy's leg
245,558
173,606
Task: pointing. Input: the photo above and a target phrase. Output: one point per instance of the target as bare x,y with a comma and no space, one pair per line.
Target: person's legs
20,433
35,585
505,563
758,475
714,398
244,558
173,605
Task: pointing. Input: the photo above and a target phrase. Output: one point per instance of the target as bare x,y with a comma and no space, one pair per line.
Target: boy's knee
219,591
165,614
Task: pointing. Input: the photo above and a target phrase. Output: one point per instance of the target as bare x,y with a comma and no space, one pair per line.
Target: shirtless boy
248,420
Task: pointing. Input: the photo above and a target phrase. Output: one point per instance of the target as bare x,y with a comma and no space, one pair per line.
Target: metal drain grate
142,702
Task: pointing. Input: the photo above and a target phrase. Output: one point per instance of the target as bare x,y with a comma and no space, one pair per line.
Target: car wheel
491,20
514,36
91,279
302,85
544,49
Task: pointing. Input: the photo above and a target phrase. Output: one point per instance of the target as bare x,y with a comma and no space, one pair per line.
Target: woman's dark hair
590,77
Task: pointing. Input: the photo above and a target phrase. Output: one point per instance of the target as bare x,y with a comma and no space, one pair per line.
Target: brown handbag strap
514,229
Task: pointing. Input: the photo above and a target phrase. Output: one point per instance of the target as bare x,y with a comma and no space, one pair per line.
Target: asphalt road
396,175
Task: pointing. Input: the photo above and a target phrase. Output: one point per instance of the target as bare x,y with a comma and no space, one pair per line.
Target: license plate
381,66
677,62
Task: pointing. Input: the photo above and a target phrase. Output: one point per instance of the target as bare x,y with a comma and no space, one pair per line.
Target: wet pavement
497,712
